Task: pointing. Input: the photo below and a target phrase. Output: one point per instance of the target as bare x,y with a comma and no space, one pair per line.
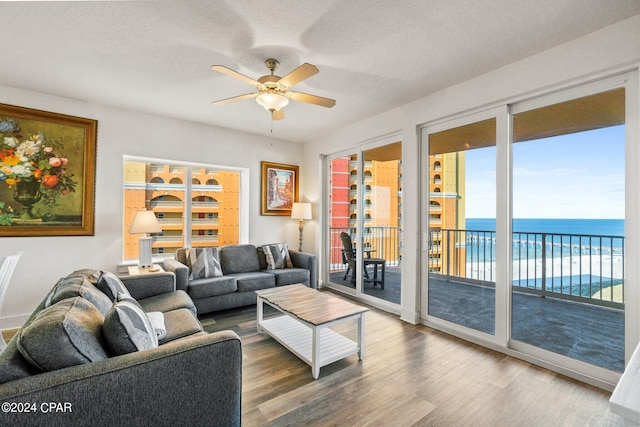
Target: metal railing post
544,264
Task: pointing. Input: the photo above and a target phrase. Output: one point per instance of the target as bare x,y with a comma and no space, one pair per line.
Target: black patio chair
349,258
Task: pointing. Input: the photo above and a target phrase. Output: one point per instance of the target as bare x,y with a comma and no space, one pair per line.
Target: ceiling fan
273,91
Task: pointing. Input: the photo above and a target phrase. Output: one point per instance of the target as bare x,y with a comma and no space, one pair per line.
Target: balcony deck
586,332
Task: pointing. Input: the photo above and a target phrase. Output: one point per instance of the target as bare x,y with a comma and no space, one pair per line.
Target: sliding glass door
365,216
568,227
526,227
343,215
460,170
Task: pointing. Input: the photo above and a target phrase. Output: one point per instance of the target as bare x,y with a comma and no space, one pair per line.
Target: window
191,214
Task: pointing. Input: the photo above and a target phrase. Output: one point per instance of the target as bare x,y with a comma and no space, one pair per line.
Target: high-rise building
381,180
447,212
214,205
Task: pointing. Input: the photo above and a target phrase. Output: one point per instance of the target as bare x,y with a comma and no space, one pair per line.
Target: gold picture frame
47,173
279,188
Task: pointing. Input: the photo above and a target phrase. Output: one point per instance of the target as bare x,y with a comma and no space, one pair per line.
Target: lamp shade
301,211
145,222
272,101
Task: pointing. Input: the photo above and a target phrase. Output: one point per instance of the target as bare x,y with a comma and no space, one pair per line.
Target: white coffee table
304,327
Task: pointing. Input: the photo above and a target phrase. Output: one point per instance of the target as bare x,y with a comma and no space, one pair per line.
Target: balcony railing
170,221
166,204
204,221
204,204
204,238
165,239
585,268
381,242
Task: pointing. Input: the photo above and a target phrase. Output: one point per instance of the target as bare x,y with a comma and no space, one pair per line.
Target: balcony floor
585,332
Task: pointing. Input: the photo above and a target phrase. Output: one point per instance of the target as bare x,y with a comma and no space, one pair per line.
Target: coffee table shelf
298,338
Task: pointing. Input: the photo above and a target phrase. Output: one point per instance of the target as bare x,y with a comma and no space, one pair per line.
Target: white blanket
157,321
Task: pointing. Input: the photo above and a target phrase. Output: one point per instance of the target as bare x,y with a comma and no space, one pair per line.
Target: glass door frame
503,112
629,81
500,337
358,293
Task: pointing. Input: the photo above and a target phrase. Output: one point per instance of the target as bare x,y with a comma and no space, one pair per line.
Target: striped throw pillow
205,262
277,256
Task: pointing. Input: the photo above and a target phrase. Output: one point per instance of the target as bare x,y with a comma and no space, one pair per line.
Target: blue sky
579,175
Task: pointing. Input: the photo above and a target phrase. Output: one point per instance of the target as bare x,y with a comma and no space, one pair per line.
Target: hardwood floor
410,376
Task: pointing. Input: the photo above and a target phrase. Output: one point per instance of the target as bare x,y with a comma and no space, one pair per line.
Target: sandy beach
606,266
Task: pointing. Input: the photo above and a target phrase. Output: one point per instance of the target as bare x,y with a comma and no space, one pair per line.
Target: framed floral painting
47,173
279,188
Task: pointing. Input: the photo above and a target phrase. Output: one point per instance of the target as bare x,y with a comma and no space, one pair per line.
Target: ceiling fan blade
278,115
301,73
312,99
235,98
236,75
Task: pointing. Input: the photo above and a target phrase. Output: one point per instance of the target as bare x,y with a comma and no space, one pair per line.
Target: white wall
121,132
610,48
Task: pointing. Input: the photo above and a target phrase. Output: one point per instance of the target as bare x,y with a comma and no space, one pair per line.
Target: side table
135,270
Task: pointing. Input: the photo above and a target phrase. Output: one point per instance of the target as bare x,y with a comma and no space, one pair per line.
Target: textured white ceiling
373,55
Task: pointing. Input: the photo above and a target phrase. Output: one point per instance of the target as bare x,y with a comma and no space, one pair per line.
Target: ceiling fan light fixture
272,101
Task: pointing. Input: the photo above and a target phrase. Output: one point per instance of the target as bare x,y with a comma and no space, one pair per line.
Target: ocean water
596,241
565,237
594,227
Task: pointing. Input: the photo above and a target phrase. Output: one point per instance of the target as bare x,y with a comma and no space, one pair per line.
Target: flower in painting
21,170
11,141
50,181
33,159
8,125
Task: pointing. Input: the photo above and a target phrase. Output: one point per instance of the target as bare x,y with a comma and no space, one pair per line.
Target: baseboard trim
410,316
13,322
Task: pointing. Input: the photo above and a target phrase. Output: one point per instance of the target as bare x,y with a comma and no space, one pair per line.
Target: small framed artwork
279,188
47,173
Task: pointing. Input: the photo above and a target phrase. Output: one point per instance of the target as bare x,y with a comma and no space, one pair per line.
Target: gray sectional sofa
244,270
63,367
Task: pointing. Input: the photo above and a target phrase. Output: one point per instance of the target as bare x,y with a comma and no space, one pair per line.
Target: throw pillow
88,273
65,334
111,285
127,328
204,262
277,256
156,318
69,287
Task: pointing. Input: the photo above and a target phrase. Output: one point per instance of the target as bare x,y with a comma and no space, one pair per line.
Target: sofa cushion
90,274
167,302
127,327
239,259
289,276
111,285
13,365
254,281
65,334
70,286
277,256
204,262
211,287
180,323
182,257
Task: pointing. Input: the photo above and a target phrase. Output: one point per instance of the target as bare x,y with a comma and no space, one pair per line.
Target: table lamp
301,211
145,222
